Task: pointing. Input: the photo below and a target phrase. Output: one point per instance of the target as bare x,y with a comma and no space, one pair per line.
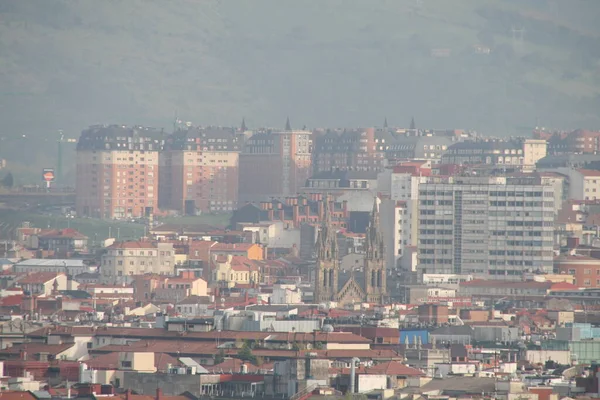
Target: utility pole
61,138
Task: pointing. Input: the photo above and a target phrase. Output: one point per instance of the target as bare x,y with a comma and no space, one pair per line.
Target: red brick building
586,270
274,164
199,170
117,171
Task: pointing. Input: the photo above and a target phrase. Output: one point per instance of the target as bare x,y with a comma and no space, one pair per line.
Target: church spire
288,126
374,237
243,127
412,123
326,238
385,124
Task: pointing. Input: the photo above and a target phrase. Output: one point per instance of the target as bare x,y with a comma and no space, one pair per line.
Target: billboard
48,175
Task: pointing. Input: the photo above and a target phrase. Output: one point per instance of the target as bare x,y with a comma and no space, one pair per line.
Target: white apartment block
493,228
399,221
123,260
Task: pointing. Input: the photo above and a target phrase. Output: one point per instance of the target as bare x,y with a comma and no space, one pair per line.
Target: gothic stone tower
327,268
375,268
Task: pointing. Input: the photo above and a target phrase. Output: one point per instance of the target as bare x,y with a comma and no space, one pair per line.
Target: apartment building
117,171
274,164
122,260
399,186
494,228
350,150
199,170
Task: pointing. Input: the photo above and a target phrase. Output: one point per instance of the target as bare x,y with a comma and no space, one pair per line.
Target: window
587,271
126,364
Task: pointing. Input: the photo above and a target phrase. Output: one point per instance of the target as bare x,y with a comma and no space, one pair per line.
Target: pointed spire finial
412,123
385,124
243,127
288,126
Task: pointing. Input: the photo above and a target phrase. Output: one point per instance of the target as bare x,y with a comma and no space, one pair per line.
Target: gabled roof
68,233
39,277
137,244
394,368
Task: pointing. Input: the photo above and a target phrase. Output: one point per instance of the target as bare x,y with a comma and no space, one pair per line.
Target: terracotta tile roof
589,172
68,233
36,348
17,395
233,246
11,301
111,361
39,277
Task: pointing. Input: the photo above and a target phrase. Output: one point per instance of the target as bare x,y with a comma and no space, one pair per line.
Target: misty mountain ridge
489,65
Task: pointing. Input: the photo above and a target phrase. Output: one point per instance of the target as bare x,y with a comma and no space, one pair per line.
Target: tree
245,353
220,357
7,181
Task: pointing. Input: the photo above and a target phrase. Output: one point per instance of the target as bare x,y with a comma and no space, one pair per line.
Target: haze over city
313,199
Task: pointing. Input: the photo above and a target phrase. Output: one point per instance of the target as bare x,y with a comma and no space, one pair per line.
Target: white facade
274,234
492,228
533,151
121,262
583,184
399,217
286,294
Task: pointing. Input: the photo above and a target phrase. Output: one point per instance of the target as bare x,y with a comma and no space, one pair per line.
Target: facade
199,170
586,270
338,183
489,152
368,285
580,141
423,147
43,283
168,289
350,150
117,172
584,184
399,207
122,260
533,151
62,241
496,228
274,164
229,271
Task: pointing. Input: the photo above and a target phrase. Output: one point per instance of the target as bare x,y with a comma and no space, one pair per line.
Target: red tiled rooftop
68,233
111,361
515,284
39,277
232,246
589,172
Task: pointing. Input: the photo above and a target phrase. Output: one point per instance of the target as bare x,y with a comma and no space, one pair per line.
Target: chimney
159,394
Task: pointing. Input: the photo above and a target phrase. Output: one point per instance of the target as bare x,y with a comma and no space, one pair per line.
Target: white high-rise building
492,227
399,187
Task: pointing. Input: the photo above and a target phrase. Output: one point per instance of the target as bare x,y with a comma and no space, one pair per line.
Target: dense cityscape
376,262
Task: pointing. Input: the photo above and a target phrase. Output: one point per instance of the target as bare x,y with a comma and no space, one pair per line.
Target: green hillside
66,64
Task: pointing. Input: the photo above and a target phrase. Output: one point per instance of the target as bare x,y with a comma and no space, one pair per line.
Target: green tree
220,357
245,353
